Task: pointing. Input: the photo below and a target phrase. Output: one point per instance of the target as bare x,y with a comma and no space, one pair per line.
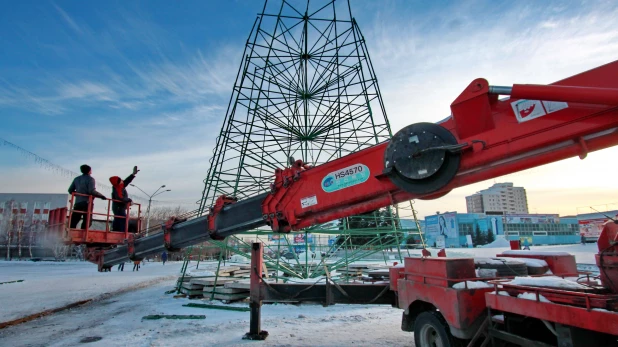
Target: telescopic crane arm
485,137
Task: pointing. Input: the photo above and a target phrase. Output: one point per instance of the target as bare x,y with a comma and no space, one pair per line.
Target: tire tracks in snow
80,303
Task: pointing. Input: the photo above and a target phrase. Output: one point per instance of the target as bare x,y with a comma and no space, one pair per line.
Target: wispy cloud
424,62
68,20
194,83
86,89
194,79
23,98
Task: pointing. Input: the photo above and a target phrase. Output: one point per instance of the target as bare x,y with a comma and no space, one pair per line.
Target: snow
124,297
118,321
488,261
547,281
593,268
585,280
500,241
497,261
583,253
472,285
530,262
321,279
603,310
49,285
546,253
237,258
199,272
501,292
532,296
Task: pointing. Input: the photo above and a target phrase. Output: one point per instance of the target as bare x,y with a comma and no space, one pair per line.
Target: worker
583,239
136,265
121,200
86,185
526,244
164,257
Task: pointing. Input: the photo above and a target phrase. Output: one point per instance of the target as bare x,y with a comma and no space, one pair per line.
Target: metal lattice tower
305,89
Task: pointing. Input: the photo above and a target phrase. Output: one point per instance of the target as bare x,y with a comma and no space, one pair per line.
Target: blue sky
117,83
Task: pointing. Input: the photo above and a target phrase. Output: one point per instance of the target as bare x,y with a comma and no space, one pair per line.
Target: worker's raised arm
130,178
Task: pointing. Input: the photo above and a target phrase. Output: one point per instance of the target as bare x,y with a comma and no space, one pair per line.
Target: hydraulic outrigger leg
255,327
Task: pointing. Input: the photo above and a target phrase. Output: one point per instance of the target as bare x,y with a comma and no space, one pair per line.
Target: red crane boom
485,137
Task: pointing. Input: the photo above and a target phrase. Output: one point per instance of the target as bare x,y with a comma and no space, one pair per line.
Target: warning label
526,110
308,201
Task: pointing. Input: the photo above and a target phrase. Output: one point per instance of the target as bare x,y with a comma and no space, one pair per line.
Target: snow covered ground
49,285
116,319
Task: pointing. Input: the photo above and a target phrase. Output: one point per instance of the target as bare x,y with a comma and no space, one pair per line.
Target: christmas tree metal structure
305,89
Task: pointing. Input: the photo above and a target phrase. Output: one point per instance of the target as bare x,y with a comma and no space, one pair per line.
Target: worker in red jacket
121,200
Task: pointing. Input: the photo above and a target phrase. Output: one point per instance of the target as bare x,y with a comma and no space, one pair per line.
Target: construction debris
230,283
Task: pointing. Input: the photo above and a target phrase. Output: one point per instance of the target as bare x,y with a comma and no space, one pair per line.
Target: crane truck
492,131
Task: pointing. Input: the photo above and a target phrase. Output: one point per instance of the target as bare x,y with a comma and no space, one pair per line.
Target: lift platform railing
105,235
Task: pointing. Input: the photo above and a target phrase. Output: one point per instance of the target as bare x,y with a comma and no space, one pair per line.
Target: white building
30,208
501,197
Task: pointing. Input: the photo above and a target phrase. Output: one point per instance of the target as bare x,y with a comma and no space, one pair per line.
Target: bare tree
160,214
20,230
9,222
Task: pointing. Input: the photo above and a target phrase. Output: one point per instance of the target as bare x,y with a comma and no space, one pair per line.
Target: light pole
150,201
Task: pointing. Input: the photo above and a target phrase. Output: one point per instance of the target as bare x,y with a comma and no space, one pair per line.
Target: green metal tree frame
305,89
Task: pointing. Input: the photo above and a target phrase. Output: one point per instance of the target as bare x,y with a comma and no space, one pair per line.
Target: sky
121,83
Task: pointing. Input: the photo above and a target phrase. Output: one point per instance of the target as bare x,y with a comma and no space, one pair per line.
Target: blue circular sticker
345,178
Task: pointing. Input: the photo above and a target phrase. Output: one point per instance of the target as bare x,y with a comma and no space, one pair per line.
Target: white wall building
499,197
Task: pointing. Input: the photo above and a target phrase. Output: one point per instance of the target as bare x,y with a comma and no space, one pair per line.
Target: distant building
539,229
23,222
501,197
591,224
30,208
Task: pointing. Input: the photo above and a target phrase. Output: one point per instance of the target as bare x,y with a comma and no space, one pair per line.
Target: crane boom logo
345,178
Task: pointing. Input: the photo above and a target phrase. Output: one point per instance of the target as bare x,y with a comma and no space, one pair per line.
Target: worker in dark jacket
121,200
86,185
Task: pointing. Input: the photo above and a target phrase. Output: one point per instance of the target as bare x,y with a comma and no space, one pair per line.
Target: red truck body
582,317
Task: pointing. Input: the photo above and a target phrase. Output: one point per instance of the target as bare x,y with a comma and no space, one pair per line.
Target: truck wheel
431,330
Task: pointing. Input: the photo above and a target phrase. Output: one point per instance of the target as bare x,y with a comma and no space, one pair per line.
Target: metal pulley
422,158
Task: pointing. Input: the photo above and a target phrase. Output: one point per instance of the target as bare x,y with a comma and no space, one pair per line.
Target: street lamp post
157,192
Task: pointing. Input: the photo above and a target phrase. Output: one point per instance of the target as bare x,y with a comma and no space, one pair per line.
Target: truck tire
431,330
503,266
